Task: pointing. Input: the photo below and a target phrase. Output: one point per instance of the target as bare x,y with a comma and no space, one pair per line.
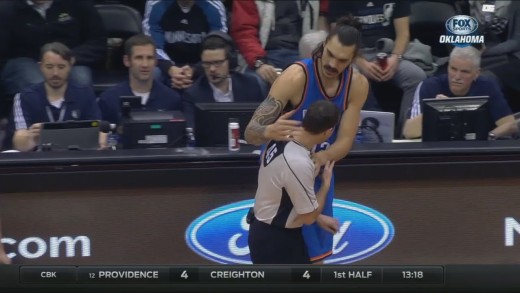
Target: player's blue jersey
314,91
318,241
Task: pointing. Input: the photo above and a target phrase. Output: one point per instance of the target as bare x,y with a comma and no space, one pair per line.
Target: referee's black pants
270,244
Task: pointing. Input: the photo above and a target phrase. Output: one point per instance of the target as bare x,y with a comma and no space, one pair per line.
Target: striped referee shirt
285,185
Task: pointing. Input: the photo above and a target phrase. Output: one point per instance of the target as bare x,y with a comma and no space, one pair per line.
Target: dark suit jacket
245,90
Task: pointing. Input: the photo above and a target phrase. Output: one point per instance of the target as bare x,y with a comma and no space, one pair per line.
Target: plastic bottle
359,134
190,137
113,137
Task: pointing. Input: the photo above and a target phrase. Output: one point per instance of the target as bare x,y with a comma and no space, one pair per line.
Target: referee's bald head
320,116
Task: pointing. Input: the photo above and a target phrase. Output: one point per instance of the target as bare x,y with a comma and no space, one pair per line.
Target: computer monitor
153,129
211,121
129,103
69,135
465,118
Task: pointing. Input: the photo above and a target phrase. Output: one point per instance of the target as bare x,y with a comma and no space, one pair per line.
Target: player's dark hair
320,116
348,30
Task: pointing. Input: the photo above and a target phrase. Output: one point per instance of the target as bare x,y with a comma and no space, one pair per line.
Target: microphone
104,126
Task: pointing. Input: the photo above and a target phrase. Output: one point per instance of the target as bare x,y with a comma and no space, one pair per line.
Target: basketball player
328,75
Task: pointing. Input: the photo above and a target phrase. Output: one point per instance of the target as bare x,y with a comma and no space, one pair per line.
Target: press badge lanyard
62,113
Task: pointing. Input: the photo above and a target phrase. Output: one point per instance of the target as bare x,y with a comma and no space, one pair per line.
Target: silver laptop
69,135
377,126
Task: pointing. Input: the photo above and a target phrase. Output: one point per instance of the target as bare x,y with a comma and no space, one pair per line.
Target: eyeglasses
216,63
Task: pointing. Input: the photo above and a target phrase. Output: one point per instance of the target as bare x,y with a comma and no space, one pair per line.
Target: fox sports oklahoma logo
461,31
220,235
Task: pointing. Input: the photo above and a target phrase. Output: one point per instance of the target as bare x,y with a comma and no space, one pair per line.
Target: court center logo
461,31
220,235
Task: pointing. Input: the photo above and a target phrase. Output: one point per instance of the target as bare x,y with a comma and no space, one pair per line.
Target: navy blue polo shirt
482,86
161,98
32,106
79,104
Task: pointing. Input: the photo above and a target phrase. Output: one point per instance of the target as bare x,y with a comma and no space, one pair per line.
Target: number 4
184,274
306,275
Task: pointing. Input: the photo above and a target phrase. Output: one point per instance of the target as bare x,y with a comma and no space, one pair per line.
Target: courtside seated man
55,99
328,75
140,58
220,83
285,198
463,79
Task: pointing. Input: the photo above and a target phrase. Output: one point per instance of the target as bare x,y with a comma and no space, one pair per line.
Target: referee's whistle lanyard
62,113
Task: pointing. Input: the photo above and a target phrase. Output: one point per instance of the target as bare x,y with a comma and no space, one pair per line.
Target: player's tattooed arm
266,113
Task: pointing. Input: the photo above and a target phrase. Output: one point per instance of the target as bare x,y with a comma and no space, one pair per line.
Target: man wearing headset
220,82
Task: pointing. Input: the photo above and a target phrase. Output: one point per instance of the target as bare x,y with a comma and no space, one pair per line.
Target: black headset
232,54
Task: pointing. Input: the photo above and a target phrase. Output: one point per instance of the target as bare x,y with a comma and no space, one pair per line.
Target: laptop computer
70,135
376,126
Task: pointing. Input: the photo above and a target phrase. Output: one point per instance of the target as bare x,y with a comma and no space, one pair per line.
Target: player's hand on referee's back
283,128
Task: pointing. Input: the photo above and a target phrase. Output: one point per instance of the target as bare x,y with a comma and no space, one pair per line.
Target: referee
285,198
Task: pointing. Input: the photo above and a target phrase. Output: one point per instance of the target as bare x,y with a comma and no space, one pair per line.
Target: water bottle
190,137
113,137
359,134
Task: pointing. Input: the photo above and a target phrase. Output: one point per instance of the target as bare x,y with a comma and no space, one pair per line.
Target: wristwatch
259,62
399,56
